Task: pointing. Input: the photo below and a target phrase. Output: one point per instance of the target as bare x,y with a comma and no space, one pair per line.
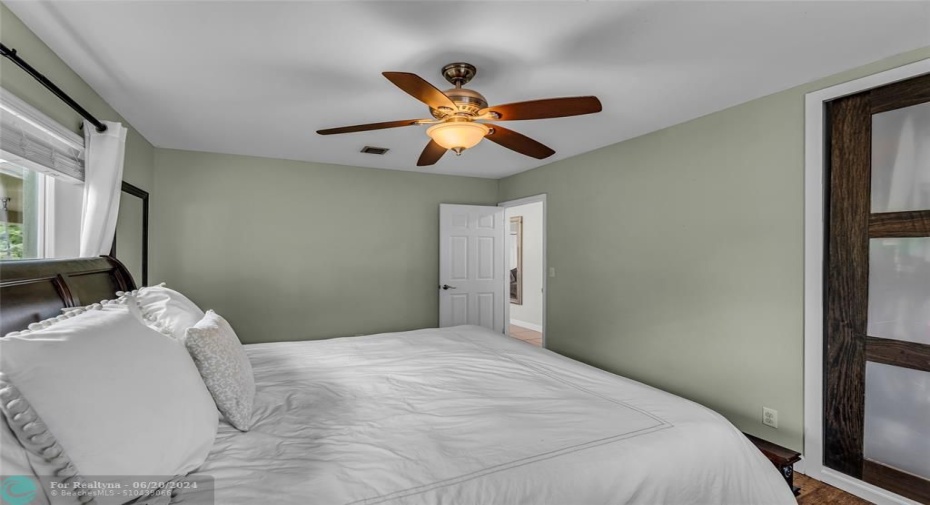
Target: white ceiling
258,78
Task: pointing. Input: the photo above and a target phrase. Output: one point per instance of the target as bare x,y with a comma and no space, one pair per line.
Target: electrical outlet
551,271
770,417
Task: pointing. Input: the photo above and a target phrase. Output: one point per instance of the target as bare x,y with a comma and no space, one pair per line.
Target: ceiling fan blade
518,142
546,108
431,154
370,126
420,89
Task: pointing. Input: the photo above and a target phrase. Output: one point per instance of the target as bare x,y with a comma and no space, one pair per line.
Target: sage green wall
292,250
679,256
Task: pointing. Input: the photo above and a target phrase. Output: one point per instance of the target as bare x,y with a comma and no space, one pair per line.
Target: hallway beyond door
525,334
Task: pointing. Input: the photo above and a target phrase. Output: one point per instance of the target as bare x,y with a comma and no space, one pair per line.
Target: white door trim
545,260
812,465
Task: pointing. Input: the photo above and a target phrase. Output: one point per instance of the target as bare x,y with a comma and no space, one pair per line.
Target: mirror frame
144,195
516,281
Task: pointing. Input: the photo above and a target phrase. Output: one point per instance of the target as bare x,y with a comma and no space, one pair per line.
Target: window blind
45,145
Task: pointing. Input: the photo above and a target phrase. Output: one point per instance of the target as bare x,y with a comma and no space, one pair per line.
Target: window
41,179
22,212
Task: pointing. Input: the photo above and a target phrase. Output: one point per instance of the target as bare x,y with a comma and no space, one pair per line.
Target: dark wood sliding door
877,288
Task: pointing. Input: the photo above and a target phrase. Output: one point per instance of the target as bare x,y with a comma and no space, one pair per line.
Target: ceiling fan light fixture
456,113
459,135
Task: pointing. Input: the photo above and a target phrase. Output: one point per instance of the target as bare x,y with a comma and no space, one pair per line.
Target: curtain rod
11,54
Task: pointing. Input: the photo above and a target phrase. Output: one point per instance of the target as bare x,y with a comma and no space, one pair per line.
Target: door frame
545,260
814,158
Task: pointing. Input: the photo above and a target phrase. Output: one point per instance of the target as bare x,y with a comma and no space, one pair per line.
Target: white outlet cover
770,417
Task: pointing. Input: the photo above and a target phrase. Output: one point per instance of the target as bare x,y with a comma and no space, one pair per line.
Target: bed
454,415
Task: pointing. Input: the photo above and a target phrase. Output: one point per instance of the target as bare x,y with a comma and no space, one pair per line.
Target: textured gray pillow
224,367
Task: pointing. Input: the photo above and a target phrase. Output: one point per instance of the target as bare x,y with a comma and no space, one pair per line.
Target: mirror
516,260
131,243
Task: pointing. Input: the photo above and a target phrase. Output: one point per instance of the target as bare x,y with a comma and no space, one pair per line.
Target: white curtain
103,179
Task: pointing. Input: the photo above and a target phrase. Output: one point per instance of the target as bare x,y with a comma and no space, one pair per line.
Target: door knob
446,286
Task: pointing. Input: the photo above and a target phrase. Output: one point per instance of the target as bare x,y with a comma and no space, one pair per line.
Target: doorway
525,251
876,361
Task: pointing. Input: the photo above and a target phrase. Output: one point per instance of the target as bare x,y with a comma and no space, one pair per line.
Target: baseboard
524,324
857,487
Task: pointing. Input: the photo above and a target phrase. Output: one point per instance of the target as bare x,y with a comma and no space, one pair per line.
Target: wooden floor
525,334
814,492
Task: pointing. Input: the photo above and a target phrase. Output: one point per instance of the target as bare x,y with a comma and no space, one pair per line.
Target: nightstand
783,459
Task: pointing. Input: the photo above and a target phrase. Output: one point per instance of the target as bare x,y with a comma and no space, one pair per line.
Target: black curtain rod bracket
11,54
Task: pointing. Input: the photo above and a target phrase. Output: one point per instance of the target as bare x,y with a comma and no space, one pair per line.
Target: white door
471,266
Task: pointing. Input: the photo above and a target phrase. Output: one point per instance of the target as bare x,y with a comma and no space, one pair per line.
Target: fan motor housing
468,101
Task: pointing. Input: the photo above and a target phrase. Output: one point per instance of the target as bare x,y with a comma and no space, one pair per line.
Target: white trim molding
813,280
545,260
527,325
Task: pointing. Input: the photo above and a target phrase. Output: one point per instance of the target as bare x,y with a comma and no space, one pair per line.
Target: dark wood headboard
33,290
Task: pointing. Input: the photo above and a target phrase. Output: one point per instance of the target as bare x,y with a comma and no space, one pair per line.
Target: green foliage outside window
11,241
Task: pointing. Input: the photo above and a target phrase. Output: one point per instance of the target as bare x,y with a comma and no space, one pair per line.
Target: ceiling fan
459,114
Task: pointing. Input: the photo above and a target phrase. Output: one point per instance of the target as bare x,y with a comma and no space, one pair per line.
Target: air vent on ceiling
374,150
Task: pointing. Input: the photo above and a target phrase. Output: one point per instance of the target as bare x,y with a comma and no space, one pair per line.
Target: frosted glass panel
899,289
901,159
897,418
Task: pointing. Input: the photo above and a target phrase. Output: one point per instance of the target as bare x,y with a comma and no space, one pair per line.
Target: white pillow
28,451
14,461
119,397
224,366
166,310
115,304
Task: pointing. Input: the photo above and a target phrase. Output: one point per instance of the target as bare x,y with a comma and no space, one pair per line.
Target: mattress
465,416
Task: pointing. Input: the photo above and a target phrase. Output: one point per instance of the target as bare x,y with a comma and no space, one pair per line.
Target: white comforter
465,416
